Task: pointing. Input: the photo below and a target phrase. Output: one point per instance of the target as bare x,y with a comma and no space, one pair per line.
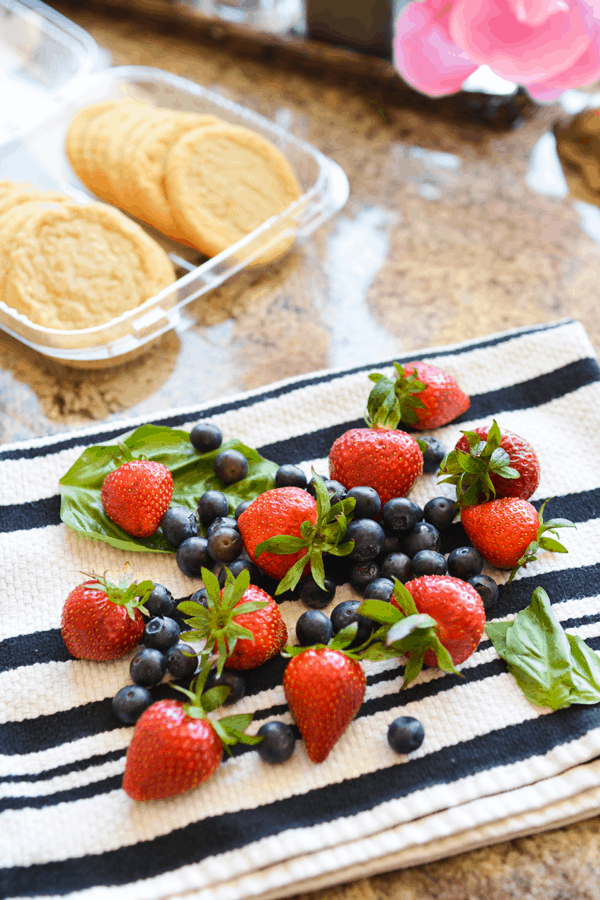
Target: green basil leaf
80,487
585,672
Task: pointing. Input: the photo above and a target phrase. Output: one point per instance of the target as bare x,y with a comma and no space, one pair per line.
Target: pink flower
546,45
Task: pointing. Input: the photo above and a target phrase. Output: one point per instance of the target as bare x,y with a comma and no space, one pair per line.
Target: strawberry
421,395
286,532
509,532
324,689
137,494
175,747
242,622
101,620
491,461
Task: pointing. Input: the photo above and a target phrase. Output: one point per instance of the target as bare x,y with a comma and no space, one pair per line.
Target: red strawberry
324,689
457,609
101,620
170,752
136,496
382,458
267,627
280,511
508,532
482,444
442,400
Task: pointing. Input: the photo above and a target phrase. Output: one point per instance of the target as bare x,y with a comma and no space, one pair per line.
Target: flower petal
424,54
491,33
535,12
584,70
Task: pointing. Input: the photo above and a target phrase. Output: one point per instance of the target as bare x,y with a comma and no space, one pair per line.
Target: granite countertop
450,232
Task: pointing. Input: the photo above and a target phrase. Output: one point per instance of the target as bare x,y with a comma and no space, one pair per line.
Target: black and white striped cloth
491,764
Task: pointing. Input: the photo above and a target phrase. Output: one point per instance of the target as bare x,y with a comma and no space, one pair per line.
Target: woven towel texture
66,826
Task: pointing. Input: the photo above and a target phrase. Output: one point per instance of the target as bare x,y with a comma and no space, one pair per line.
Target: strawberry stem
393,400
470,472
541,542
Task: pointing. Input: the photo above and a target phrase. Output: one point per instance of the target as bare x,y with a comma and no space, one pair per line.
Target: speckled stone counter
450,232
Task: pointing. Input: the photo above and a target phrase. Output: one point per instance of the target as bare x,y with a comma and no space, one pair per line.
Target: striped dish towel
491,764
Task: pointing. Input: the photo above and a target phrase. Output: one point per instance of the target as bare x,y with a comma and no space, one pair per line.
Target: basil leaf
80,487
585,672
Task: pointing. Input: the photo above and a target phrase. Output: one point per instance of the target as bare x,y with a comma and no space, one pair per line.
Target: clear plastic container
50,60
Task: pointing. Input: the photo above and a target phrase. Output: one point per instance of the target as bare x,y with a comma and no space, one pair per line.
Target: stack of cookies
196,178
68,266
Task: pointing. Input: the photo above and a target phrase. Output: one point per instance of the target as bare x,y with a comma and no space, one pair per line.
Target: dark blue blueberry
224,544
440,512
278,742
368,537
160,602
464,562
393,544
290,476
242,507
422,537
192,556
130,702
397,565
148,667
237,566
231,679
405,734
230,466
182,661
309,592
206,437
211,505
199,596
368,504
220,522
178,524
345,614
363,573
428,562
434,453
313,627
379,589
400,514
335,489
161,633
487,589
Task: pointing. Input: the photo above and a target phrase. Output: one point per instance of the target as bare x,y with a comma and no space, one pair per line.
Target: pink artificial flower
546,45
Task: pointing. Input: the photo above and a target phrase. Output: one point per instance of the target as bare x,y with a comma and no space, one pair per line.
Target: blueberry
368,537
278,742
237,566
422,537
211,505
405,734
178,524
230,466
160,602
182,661
345,614
242,507
148,667
309,592
290,476
440,512
428,562
228,678
313,627
380,589
393,543
219,522
161,633
200,597
434,453
192,556
335,489
363,573
487,589
368,504
464,562
130,702
206,437
224,544
397,565
400,514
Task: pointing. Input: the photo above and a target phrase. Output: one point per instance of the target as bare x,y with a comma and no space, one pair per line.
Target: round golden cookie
27,194
148,164
11,220
224,181
76,132
78,266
